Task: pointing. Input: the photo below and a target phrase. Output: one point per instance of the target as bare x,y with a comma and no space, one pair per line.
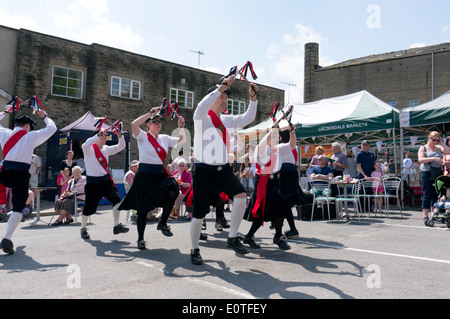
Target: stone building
72,78
401,78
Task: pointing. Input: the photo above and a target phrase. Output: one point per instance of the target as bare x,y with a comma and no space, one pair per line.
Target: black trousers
18,181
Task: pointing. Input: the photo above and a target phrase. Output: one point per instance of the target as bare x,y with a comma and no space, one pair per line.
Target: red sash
221,129
8,146
295,153
261,191
101,159
159,150
12,142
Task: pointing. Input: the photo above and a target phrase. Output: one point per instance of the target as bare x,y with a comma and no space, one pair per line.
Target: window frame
121,85
242,106
67,84
187,93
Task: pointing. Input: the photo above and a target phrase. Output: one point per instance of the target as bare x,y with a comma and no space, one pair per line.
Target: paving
378,258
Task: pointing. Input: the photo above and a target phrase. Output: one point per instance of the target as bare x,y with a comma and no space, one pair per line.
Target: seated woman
66,202
184,179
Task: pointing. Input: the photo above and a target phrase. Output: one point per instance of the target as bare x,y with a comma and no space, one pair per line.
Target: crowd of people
263,185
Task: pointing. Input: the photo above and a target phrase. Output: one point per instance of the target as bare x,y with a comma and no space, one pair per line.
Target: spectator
315,159
351,169
339,159
66,202
365,161
129,176
68,162
35,170
184,180
431,162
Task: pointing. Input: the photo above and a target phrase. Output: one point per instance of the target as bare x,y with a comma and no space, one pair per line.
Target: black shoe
57,223
204,225
68,221
203,236
196,258
142,244
281,242
120,229
221,225
251,242
84,234
291,234
165,230
7,246
236,245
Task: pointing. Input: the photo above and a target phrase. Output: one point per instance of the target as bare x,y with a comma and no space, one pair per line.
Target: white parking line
377,252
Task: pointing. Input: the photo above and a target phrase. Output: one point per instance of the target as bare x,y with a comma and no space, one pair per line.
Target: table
38,191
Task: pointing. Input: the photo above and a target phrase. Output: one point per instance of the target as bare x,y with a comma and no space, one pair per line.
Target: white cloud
417,45
87,21
287,60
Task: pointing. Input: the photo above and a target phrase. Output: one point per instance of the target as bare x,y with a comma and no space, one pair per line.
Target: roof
392,55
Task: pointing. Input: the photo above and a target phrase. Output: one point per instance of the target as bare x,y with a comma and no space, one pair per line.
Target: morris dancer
99,182
18,146
267,203
152,186
211,172
289,182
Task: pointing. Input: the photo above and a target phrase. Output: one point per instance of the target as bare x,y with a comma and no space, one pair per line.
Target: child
444,202
378,189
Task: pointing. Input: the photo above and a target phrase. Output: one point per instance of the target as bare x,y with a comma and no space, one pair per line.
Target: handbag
435,172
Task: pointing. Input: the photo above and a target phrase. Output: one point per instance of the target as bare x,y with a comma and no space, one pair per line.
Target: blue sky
269,34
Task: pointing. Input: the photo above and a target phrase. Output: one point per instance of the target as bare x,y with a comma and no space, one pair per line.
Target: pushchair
441,185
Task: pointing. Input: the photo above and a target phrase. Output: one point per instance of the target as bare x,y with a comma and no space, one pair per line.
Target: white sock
84,220
237,213
196,229
13,221
116,214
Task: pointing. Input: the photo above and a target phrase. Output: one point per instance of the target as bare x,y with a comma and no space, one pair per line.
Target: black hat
215,87
24,119
155,116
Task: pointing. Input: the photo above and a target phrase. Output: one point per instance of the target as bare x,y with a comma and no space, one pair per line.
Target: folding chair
366,194
352,198
322,194
392,190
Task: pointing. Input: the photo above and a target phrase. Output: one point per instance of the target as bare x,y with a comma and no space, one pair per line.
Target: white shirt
286,153
93,166
23,151
263,159
147,153
209,147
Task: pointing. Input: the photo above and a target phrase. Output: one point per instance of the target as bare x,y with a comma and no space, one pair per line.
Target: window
67,82
414,102
235,107
392,103
124,88
184,98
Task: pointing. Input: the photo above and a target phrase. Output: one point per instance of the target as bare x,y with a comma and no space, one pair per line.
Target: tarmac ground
395,257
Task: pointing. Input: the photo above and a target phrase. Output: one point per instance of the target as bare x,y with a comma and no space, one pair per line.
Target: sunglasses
438,140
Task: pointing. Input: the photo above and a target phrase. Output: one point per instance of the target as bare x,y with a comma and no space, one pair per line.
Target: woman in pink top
378,190
184,180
